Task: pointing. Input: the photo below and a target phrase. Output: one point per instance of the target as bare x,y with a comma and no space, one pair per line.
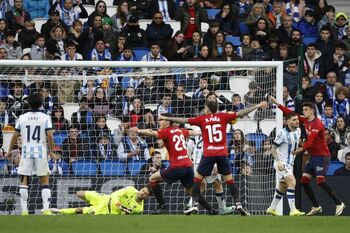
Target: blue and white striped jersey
287,143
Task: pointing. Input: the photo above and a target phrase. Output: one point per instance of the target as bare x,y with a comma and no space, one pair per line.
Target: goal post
102,99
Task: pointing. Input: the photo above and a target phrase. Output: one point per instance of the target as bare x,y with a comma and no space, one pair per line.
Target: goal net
94,104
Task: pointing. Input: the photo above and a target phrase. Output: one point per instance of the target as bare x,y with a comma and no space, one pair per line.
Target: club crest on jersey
215,119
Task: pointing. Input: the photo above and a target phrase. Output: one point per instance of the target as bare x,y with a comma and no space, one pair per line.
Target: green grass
172,224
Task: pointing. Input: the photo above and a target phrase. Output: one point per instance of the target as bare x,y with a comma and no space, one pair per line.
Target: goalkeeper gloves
124,209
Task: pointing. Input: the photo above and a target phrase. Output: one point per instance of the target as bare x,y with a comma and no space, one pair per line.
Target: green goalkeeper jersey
127,198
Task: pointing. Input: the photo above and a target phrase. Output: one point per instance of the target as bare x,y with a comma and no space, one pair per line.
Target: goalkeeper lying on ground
123,201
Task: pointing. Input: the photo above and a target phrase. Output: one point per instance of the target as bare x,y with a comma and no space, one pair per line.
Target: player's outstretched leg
316,208
158,193
219,195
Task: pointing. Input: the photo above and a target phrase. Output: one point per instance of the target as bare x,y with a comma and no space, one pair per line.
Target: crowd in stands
267,30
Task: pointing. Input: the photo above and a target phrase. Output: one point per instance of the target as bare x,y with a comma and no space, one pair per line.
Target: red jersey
213,128
316,143
175,141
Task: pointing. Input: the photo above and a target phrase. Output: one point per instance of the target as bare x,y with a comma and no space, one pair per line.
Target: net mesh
92,109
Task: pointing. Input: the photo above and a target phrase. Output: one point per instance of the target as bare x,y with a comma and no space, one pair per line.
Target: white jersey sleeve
287,143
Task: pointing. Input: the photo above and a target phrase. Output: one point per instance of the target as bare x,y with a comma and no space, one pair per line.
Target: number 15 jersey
213,128
33,126
175,142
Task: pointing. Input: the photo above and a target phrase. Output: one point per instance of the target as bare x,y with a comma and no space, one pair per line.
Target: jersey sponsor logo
215,147
182,157
212,119
318,168
175,131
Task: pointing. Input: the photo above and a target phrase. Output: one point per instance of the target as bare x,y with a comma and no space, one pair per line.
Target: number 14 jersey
213,128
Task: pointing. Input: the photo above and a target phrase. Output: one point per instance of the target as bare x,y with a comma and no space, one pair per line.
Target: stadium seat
308,39
113,168
189,94
84,168
267,125
334,165
111,10
246,125
113,123
151,106
235,40
204,27
225,93
143,23
109,3
59,137
317,81
134,166
243,28
175,25
69,109
140,52
212,13
257,138
39,23
89,9
240,84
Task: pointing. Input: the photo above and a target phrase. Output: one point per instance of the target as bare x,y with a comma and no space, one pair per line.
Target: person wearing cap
69,12
307,25
340,25
17,16
54,20
136,36
159,31
37,8
12,47
109,35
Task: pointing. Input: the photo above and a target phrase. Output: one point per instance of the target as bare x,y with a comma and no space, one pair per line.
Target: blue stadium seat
134,166
334,165
315,81
140,52
243,28
113,168
59,137
212,13
308,39
3,163
235,40
84,168
257,138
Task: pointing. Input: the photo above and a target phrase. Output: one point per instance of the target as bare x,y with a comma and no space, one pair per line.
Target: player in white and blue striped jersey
35,129
284,149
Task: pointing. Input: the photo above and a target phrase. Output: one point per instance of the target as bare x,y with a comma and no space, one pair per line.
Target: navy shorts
184,174
317,165
207,163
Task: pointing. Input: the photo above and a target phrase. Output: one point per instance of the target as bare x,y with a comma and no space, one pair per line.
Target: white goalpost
101,100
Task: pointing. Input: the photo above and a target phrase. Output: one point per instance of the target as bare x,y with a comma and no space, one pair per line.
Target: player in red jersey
213,126
318,163
180,168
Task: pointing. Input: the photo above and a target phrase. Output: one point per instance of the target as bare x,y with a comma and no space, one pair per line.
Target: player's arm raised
284,109
246,111
147,132
174,119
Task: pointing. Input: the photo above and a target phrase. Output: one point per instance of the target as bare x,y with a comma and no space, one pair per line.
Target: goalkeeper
127,201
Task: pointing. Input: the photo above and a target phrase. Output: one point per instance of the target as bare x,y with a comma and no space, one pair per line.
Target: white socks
276,199
291,198
221,200
46,196
23,191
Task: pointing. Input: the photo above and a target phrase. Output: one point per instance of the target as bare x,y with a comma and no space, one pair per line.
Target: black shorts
184,174
207,163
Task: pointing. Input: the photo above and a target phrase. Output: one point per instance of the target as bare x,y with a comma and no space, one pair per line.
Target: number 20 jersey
33,126
175,141
213,128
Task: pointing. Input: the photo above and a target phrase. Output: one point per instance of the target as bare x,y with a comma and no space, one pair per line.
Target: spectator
181,103
37,8
250,98
313,62
319,104
100,103
159,31
5,6
325,44
137,112
175,48
229,24
241,9
288,102
341,106
257,12
69,12
57,37
3,30
100,52
59,123
160,147
133,147
139,8
17,16
307,25
283,54
245,48
256,53
237,104
166,7
340,25
290,77
155,54
284,33
87,90
333,147
153,165
53,21
73,147
147,90
136,36
328,118
295,43
340,61
273,48
340,131
345,170
203,85
109,35
100,129
218,45
66,91
123,104
83,118
331,80
57,165
104,150
294,8
17,99
49,100
90,36
320,9
27,37
345,40
12,47
165,106
169,87
14,157
191,15
121,17
75,35
71,53
209,37
327,19
193,46
121,130
6,117
100,9
261,32
276,15
308,90
3,56
204,54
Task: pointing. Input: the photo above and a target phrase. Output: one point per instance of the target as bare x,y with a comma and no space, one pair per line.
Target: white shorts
209,179
38,166
287,171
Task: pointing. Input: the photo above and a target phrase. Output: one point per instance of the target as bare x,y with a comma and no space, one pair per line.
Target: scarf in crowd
328,122
105,151
331,92
68,16
129,146
95,56
163,7
4,119
151,58
293,11
89,117
341,108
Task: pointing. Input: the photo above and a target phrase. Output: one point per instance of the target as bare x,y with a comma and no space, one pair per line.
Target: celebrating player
36,130
195,151
180,167
318,163
213,126
124,201
286,142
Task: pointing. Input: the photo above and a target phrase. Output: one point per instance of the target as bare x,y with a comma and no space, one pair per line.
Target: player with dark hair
180,167
213,127
318,163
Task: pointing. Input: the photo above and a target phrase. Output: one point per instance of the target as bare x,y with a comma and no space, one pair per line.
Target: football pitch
173,224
